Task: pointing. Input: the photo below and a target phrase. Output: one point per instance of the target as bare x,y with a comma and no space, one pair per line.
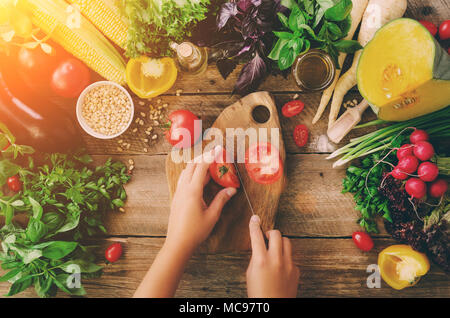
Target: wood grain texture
310,206
231,232
329,268
207,108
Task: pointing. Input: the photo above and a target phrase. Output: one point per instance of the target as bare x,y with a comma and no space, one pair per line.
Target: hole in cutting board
261,114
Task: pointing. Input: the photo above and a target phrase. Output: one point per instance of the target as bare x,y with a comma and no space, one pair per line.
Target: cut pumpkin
403,72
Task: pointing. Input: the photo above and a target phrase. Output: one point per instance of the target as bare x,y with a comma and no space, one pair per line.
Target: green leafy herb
65,201
320,24
154,24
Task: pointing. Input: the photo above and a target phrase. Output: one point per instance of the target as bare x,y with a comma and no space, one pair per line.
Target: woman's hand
271,273
190,220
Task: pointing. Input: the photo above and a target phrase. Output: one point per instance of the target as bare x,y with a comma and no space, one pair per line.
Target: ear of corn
78,36
106,16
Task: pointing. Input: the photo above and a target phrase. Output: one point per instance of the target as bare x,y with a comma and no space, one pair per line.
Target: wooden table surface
313,213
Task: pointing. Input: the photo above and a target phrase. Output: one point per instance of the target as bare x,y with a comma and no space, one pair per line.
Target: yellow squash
403,72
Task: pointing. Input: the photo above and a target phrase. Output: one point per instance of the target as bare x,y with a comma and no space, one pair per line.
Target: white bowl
83,122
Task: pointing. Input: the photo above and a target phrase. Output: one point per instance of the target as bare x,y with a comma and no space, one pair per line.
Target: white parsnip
377,14
359,6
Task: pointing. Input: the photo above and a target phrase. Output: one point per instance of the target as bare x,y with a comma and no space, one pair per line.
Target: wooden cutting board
257,110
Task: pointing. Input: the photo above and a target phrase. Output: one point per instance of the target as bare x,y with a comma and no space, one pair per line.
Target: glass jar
313,71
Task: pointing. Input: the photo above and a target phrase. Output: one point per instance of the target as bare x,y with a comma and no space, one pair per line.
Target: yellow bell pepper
148,77
401,266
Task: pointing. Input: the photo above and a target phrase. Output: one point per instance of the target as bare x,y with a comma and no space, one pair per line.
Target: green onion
437,124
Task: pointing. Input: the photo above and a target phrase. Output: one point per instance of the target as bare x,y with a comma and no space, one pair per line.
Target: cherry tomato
14,183
444,30
263,163
363,241
70,78
430,27
292,108
182,122
301,135
224,173
113,252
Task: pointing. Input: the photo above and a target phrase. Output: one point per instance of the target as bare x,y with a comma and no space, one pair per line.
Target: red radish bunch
412,158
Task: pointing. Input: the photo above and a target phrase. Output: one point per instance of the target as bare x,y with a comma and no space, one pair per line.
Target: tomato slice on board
224,173
263,163
301,135
292,108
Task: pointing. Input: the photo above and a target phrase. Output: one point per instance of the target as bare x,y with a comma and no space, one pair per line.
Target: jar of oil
313,71
190,58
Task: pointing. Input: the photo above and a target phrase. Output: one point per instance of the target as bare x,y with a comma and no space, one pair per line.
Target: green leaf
323,6
296,19
334,30
275,53
287,58
11,274
288,4
20,285
283,19
347,46
37,208
36,230
284,35
9,214
85,266
340,11
57,249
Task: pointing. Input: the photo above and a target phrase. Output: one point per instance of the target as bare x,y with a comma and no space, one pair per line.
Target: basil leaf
287,58
11,274
58,249
340,11
334,30
20,285
275,53
347,46
85,266
283,19
36,230
296,19
37,208
284,35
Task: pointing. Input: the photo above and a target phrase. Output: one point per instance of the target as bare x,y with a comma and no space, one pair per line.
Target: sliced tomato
224,173
263,163
301,134
292,108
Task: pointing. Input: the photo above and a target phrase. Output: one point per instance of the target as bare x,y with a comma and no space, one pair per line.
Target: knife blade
243,188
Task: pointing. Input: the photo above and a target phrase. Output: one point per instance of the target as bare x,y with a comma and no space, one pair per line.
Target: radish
423,150
428,171
416,188
418,135
398,174
405,150
438,188
408,164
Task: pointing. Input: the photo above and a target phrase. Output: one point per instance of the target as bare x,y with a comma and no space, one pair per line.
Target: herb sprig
321,24
65,201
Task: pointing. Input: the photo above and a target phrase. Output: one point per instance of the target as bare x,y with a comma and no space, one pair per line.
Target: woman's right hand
271,272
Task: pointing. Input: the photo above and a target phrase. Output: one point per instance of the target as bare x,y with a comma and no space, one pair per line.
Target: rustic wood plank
329,268
310,206
207,108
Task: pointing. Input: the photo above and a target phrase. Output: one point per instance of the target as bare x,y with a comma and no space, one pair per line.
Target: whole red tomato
430,26
14,183
444,30
292,108
363,241
113,252
70,78
301,134
183,129
224,173
263,163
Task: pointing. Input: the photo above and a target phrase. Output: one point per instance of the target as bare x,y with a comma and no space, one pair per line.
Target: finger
189,171
256,237
215,208
275,243
201,169
287,249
